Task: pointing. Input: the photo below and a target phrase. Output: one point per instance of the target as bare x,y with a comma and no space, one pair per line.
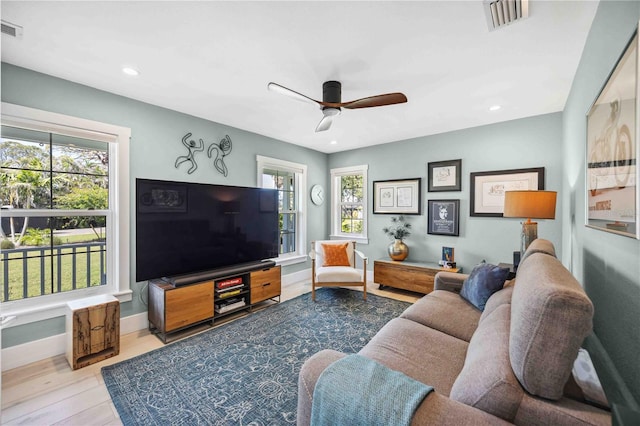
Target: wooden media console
211,296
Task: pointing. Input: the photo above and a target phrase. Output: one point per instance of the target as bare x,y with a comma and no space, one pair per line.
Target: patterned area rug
244,372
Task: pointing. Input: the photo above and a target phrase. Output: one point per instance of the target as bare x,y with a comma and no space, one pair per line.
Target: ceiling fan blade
324,124
275,87
375,101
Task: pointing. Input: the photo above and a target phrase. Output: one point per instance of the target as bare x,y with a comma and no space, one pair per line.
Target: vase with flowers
399,230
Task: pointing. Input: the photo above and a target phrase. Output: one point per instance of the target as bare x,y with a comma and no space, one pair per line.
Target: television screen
184,228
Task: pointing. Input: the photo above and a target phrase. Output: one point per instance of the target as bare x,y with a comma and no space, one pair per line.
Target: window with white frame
65,211
290,179
349,203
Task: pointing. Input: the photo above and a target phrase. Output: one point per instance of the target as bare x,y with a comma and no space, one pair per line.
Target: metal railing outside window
37,271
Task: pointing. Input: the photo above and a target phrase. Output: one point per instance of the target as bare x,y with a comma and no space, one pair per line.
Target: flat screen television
184,228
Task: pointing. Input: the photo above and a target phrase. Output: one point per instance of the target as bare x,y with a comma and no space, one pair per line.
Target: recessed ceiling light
333,142
130,71
494,107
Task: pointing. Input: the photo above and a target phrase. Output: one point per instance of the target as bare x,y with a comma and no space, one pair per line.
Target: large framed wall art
612,145
488,188
397,196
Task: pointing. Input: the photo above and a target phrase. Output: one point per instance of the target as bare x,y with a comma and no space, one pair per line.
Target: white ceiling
214,60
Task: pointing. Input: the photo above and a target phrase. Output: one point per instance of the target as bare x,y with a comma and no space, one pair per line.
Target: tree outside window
351,209
55,199
349,202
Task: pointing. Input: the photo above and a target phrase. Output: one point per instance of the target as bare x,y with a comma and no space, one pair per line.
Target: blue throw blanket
356,390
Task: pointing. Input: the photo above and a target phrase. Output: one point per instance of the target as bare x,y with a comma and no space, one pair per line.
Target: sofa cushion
422,353
484,280
500,297
487,381
534,411
435,310
539,245
550,317
437,409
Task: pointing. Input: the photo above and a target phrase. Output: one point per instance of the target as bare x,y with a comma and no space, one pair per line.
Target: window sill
291,260
18,314
359,240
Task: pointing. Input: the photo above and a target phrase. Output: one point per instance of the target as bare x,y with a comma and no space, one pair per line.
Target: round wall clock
317,194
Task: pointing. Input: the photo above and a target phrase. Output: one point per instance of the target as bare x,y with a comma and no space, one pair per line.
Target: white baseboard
296,277
37,350
19,355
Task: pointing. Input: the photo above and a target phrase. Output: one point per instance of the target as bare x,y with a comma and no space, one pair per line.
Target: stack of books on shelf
229,304
226,295
229,284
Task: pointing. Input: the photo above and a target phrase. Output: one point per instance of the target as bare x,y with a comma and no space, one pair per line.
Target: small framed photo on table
448,254
444,217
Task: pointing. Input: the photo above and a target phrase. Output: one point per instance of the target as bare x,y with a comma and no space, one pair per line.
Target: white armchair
333,264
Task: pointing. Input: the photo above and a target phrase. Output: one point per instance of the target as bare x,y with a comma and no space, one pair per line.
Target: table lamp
530,205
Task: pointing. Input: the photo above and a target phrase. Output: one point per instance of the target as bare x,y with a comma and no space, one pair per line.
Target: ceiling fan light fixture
331,112
331,104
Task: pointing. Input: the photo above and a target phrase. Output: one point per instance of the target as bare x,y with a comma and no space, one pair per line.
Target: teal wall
530,142
156,135
607,264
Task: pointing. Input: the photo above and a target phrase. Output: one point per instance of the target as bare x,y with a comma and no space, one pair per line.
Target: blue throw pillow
484,280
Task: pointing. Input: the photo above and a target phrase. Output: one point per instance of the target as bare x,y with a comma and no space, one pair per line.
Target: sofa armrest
449,281
435,409
307,378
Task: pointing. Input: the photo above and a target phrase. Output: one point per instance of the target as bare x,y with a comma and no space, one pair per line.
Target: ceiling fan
331,103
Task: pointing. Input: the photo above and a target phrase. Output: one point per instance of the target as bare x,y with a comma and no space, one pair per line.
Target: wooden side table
93,330
412,276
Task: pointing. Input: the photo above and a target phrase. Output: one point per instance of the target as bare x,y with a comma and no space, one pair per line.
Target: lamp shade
530,204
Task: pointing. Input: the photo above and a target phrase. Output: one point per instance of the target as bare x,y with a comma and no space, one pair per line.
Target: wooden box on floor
93,330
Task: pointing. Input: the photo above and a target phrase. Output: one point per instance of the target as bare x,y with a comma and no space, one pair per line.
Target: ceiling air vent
11,29
501,13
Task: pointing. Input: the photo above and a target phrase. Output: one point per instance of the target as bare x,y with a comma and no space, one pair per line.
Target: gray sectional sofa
510,363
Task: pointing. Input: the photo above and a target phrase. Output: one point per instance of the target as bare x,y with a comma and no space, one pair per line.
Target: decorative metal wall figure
222,150
193,148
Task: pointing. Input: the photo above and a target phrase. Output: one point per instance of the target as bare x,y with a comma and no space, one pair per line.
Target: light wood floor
48,392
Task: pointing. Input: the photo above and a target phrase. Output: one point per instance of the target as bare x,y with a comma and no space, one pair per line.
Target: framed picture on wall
397,196
444,175
612,179
443,217
488,188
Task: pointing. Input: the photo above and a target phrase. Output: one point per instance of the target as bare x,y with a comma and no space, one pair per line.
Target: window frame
336,217
44,307
300,184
